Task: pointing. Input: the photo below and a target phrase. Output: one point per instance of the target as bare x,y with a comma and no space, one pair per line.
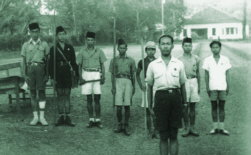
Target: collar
150,59
160,60
31,41
123,57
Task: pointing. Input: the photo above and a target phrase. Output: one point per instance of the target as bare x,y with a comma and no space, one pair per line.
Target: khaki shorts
123,92
192,90
91,87
218,95
36,73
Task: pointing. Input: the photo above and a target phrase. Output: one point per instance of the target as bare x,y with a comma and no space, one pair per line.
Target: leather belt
123,76
35,63
92,69
170,90
191,76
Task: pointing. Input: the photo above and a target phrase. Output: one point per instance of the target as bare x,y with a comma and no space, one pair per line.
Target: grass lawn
19,138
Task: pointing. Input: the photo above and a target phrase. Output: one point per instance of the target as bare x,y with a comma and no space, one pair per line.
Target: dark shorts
168,110
63,77
171,133
36,73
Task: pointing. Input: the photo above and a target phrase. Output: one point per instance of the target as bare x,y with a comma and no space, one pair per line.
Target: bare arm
24,70
150,98
207,81
228,81
198,76
138,78
183,93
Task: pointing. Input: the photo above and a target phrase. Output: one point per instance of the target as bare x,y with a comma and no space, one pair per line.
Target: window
214,31
231,30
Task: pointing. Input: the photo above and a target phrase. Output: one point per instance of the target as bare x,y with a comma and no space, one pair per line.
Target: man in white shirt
217,69
167,75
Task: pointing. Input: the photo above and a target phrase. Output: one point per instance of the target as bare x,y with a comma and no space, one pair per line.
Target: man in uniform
191,63
167,75
150,50
217,68
91,68
65,62
35,53
124,88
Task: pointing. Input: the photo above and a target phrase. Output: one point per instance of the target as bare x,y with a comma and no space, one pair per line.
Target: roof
211,15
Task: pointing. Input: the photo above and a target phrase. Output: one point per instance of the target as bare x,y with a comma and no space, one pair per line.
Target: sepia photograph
125,77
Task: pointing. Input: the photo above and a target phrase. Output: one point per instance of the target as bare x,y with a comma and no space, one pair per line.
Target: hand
81,81
46,78
26,78
102,81
113,91
133,90
52,82
151,112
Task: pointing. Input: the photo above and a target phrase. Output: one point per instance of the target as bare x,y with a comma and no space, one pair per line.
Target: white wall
220,30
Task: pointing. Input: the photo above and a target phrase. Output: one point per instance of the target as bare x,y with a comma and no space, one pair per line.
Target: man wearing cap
150,50
35,53
167,75
191,63
123,69
91,67
65,63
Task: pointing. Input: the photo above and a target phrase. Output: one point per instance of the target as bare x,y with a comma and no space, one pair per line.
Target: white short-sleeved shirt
163,76
217,72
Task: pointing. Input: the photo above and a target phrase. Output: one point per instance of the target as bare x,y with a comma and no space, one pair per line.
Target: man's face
215,49
165,46
122,49
61,36
34,34
187,47
150,52
90,42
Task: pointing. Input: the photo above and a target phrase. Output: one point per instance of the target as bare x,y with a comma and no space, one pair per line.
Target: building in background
211,23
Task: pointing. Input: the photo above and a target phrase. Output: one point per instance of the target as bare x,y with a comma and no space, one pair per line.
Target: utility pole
244,19
162,15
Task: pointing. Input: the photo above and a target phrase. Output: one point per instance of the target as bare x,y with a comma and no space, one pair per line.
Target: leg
186,120
174,145
119,118
192,119
90,111
42,103
164,145
214,117
127,116
67,93
98,110
222,117
33,96
60,105
148,121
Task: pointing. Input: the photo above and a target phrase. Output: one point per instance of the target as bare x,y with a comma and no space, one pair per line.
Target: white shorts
91,87
192,90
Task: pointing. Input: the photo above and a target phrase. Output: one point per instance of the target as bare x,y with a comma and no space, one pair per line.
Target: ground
16,137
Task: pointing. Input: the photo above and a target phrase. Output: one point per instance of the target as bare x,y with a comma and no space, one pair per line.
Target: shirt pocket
175,73
158,75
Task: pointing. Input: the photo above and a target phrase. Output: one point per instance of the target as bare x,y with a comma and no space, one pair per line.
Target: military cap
33,26
187,40
59,29
121,42
90,35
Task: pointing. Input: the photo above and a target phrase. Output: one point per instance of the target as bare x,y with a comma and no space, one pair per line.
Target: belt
170,90
123,76
92,69
35,63
191,76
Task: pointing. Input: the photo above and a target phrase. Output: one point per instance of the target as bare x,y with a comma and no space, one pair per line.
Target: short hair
122,42
215,42
90,35
187,40
166,36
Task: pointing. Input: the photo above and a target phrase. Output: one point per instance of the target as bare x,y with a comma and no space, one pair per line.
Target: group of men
171,86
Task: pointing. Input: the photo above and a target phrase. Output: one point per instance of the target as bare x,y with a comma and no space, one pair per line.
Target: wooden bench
11,84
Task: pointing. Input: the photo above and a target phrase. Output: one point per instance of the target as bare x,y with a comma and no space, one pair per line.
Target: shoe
99,125
34,121
194,133
60,121
68,121
90,124
213,131
224,132
119,128
186,133
43,121
126,130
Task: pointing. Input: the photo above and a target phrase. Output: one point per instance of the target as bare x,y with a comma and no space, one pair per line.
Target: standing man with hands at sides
124,88
150,50
217,68
167,75
65,62
34,68
91,68
191,63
